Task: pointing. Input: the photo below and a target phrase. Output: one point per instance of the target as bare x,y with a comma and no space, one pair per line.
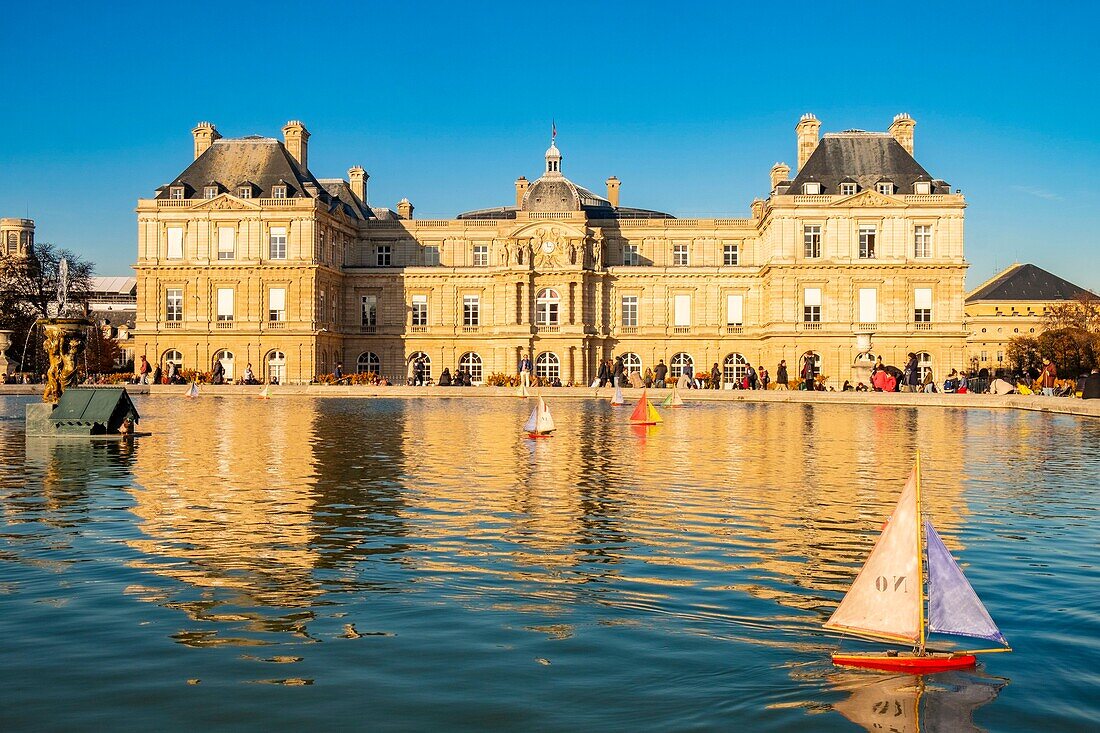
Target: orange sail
644,413
885,601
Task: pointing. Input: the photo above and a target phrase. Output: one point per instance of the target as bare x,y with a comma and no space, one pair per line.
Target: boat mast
920,557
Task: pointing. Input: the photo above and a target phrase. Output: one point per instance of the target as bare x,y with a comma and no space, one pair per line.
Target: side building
245,256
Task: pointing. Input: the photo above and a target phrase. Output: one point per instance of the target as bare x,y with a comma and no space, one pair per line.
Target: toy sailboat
265,393
673,399
618,398
192,391
644,413
886,600
521,391
540,424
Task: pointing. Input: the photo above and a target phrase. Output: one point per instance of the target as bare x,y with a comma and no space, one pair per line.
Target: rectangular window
173,306
227,243
278,192
276,304
175,243
420,310
471,310
922,240
682,311
886,189
811,305
630,254
868,305
176,192
368,309
382,255
278,243
735,310
731,255
225,304
811,238
630,310
210,192
481,255
867,235
847,189
680,255
922,305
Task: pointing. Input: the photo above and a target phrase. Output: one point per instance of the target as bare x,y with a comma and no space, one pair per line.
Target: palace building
247,257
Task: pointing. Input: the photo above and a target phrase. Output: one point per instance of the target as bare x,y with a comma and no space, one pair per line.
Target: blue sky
447,103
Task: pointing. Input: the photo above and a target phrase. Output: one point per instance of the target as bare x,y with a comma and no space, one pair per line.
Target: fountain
68,410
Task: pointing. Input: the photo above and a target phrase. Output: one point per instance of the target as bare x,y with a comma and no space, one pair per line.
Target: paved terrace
1037,403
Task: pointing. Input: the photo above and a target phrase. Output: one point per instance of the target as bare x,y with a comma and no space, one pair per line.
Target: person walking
781,380
715,377
1048,377
525,370
659,373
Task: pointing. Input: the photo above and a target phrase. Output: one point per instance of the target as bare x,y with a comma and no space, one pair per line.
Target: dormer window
278,192
244,192
886,188
209,192
847,189
922,187
811,189
175,192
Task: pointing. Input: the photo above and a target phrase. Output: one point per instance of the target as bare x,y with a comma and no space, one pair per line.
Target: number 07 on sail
886,602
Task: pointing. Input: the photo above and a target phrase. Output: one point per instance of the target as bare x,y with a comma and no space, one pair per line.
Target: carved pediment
869,199
225,202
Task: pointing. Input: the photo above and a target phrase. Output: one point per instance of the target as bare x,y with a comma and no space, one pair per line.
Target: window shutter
735,310
175,243
868,305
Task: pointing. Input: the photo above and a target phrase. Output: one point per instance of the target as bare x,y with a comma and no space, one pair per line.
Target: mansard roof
867,158
263,163
1026,282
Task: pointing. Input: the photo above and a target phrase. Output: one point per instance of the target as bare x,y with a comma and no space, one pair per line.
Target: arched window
681,363
734,368
924,363
547,366
411,362
368,361
632,363
815,357
547,303
471,363
226,358
276,367
172,357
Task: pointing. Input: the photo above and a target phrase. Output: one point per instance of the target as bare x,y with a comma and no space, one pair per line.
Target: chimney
807,129
522,184
901,129
296,139
357,178
613,184
780,172
205,134
404,209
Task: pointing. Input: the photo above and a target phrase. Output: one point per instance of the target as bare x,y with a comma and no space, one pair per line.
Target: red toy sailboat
886,600
540,424
644,413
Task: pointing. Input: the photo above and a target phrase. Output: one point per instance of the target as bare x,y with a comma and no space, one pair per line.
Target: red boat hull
907,661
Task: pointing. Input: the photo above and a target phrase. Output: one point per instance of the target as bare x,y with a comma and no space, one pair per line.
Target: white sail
887,596
532,422
545,423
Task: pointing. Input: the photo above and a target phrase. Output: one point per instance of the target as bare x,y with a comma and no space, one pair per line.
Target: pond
385,564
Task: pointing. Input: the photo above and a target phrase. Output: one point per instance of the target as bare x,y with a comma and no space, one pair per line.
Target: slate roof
1026,282
866,157
263,162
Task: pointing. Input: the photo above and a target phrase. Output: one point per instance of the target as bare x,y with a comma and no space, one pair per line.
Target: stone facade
834,262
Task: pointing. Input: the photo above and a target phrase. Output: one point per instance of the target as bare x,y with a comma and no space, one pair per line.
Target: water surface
307,563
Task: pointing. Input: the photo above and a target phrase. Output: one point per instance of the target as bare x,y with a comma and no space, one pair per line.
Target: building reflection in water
942,702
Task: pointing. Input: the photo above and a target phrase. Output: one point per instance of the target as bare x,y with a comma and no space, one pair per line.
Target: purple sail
953,606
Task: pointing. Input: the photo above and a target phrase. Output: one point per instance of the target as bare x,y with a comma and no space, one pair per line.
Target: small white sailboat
886,600
192,391
617,398
540,424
